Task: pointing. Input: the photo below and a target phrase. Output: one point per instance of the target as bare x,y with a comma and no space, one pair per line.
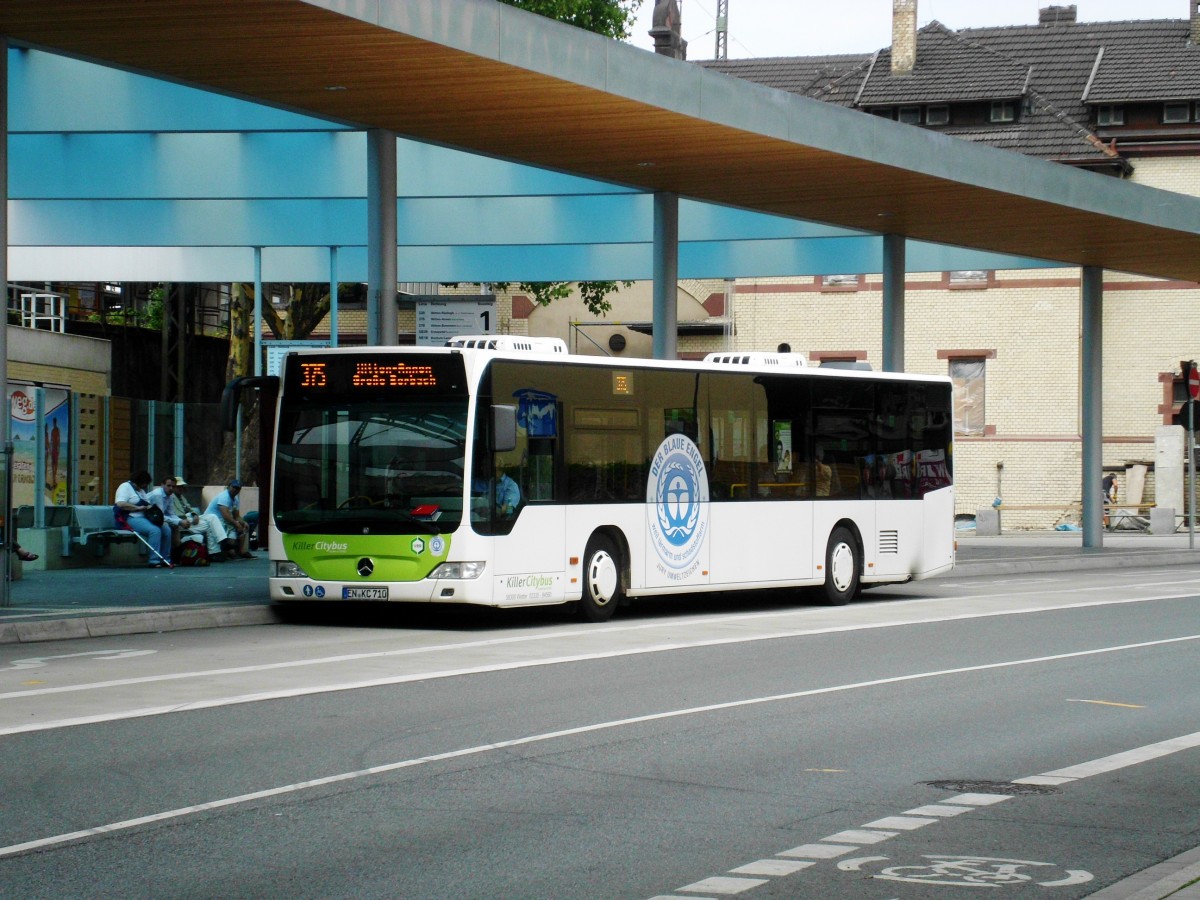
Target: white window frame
1003,111
1176,112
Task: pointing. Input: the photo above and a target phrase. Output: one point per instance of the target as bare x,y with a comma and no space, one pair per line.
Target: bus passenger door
530,557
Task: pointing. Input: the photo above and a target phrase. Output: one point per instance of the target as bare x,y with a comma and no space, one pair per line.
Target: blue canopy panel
119,176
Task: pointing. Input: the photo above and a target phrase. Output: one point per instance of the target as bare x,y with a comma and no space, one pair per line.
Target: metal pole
333,296
179,444
10,524
666,275
39,457
894,267
1091,403
1191,451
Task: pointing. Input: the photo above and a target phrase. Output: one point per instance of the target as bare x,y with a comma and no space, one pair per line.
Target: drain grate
967,786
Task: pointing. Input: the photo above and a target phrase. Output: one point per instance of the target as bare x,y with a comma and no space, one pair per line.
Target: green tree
613,18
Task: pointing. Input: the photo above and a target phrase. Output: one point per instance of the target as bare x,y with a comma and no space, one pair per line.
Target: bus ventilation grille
778,360
889,542
509,343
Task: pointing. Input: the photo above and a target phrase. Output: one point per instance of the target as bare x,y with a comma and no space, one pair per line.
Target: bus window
842,412
736,450
790,475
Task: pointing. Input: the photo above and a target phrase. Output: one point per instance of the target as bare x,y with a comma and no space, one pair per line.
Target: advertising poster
23,423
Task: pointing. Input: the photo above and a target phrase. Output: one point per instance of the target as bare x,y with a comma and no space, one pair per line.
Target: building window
839,282
968,371
910,115
1003,111
1174,113
937,115
969,278
1110,115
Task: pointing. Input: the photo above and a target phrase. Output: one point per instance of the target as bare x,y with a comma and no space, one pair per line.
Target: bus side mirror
504,429
231,397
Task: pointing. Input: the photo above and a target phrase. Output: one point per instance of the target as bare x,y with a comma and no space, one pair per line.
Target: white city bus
505,472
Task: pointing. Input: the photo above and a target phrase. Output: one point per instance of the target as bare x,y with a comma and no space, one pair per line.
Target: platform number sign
1192,375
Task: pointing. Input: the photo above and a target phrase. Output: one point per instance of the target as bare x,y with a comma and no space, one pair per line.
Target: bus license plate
371,593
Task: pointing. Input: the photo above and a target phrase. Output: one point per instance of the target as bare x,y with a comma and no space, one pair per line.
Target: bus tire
842,568
601,580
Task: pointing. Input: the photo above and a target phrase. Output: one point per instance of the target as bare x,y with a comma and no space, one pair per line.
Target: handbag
154,514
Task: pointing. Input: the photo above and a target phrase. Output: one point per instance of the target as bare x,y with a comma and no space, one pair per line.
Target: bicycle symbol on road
971,871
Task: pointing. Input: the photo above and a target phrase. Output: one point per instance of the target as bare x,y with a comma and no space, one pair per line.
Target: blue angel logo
678,503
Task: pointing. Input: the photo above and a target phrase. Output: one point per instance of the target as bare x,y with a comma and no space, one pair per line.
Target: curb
1075,563
1157,882
179,618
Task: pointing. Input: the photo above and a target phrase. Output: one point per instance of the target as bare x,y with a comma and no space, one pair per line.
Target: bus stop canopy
483,77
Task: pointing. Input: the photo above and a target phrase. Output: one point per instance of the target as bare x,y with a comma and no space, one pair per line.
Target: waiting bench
96,527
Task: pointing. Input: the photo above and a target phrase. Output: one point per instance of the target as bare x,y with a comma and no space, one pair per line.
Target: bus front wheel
842,568
601,580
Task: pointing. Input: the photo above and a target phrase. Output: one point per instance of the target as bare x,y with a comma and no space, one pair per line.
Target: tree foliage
613,18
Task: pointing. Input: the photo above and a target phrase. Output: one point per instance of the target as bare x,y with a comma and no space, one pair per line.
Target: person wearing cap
237,533
186,519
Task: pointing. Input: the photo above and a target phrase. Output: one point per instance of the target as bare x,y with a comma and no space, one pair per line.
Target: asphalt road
1024,736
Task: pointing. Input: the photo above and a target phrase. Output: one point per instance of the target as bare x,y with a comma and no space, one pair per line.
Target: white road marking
859,836
773,867
818,851
38,662
496,667
938,809
1128,758
903,823
812,851
521,664
724,885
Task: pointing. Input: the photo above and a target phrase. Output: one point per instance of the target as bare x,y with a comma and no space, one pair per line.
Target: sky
817,27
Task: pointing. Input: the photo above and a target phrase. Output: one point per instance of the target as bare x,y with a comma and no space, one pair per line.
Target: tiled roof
949,69
1050,65
796,74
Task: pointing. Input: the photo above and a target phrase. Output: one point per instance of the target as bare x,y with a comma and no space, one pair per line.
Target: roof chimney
667,29
1057,15
904,36
1194,34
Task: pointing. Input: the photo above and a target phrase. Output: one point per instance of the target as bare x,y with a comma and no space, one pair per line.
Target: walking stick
167,562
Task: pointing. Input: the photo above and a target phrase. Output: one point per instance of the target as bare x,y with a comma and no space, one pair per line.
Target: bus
505,472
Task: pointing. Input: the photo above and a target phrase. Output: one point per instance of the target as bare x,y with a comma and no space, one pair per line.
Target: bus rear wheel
842,568
601,580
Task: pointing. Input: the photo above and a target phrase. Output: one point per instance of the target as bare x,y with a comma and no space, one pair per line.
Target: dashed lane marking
1108,703
888,827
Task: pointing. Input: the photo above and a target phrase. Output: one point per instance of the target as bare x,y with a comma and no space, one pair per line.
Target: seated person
226,507
132,500
505,499
186,519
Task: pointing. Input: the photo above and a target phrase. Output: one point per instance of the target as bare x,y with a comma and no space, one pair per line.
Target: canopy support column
383,327
1091,406
893,302
10,524
666,275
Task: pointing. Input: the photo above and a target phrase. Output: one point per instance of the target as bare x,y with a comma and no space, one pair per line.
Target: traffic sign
1193,382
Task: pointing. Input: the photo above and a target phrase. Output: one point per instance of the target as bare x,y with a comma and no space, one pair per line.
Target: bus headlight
458,570
288,569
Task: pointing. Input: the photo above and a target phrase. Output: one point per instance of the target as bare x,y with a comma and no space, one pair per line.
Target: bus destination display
320,376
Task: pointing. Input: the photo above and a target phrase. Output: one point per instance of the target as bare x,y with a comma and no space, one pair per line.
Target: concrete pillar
893,302
382,317
666,275
1092,403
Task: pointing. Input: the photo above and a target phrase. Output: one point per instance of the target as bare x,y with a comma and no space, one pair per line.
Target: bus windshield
387,468
371,444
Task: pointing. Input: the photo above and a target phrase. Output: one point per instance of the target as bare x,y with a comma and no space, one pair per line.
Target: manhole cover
992,787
